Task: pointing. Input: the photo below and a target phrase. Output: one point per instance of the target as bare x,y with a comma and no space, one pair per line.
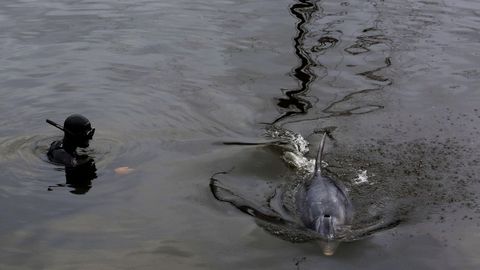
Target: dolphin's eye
326,216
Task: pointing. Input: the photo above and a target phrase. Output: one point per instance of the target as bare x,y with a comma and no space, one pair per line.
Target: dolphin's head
325,227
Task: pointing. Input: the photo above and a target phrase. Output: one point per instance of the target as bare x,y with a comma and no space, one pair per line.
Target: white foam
362,178
298,161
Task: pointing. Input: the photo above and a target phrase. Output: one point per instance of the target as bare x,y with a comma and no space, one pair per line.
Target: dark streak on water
367,108
295,102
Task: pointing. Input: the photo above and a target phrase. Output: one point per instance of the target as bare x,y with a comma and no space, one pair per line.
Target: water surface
164,81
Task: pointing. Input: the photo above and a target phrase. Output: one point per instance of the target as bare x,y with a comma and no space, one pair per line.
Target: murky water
164,82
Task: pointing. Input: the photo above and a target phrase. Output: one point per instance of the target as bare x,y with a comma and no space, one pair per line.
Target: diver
80,169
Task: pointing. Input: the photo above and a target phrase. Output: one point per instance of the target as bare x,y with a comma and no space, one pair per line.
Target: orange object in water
123,170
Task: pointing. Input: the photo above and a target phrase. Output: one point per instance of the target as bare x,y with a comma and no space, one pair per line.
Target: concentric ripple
24,160
26,168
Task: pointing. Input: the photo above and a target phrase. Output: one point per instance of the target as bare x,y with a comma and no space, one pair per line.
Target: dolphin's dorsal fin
318,160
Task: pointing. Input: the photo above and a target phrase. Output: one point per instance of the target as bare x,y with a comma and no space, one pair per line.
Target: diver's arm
83,161
60,156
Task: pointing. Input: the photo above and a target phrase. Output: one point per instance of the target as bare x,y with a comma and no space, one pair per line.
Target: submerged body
59,154
324,207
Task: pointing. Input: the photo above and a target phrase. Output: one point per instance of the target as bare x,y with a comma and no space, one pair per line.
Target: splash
299,162
362,178
294,142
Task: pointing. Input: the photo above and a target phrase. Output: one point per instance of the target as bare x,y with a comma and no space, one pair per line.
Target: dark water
165,81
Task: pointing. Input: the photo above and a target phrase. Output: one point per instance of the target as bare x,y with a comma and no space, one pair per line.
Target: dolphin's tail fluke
318,161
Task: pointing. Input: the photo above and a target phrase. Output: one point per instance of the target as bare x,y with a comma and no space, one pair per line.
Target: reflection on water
320,31
361,109
79,178
295,102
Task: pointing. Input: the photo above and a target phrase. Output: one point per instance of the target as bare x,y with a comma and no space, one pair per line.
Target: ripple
25,163
28,170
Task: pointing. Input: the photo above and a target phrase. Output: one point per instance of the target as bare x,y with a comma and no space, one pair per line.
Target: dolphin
322,210
324,207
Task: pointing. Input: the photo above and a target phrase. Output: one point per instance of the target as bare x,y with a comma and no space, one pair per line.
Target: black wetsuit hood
78,131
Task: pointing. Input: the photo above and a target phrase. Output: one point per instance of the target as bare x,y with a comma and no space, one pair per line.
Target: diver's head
325,227
78,130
